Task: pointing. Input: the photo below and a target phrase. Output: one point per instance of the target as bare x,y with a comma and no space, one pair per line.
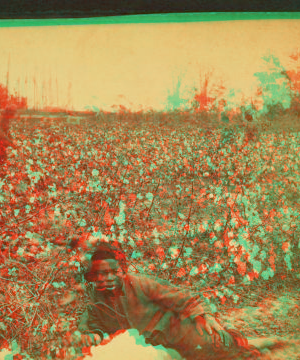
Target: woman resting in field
164,314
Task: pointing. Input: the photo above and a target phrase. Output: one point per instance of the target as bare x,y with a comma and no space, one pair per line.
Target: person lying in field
164,314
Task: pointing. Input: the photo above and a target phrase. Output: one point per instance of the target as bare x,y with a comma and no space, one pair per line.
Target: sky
136,65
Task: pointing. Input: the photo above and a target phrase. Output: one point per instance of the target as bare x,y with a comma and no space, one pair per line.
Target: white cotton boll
131,346
3,353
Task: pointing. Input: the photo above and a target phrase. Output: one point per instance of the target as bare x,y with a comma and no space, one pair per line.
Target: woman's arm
174,298
89,323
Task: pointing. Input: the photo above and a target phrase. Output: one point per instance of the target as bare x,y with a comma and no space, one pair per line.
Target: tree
202,101
174,97
294,73
4,97
294,80
8,100
9,104
274,85
205,99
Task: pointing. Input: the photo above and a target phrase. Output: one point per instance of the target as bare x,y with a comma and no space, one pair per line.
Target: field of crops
215,210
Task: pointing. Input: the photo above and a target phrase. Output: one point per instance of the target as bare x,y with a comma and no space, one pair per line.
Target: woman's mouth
110,286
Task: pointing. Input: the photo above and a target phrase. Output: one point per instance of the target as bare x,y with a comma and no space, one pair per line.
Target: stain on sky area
150,65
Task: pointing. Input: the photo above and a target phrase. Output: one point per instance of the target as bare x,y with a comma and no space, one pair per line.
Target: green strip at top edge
153,18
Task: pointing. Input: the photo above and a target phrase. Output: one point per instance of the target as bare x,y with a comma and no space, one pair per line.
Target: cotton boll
3,353
131,346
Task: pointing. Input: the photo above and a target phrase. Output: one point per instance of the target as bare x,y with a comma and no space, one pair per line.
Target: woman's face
108,274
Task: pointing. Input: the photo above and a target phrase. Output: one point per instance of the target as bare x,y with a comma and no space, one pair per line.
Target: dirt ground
270,315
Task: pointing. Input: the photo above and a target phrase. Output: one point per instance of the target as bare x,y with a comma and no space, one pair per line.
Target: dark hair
106,251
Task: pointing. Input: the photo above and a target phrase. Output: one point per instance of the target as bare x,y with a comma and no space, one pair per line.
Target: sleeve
179,300
89,322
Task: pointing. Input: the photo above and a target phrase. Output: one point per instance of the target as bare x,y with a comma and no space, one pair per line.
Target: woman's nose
110,276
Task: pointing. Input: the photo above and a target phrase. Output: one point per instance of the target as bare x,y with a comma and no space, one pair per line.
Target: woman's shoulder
142,278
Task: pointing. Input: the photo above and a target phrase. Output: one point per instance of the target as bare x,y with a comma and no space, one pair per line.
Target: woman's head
108,264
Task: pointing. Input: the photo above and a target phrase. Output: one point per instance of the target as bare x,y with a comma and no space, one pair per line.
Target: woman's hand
211,325
86,339
90,339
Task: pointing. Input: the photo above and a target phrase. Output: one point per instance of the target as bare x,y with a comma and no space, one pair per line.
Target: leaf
44,322
53,328
265,275
131,241
257,266
95,172
213,308
120,219
235,298
194,271
15,347
28,234
255,250
136,254
149,196
155,233
81,222
216,268
12,271
58,285
174,251
263,255
188,252
122,205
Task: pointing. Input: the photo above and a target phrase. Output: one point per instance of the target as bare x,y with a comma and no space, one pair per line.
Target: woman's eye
109,272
